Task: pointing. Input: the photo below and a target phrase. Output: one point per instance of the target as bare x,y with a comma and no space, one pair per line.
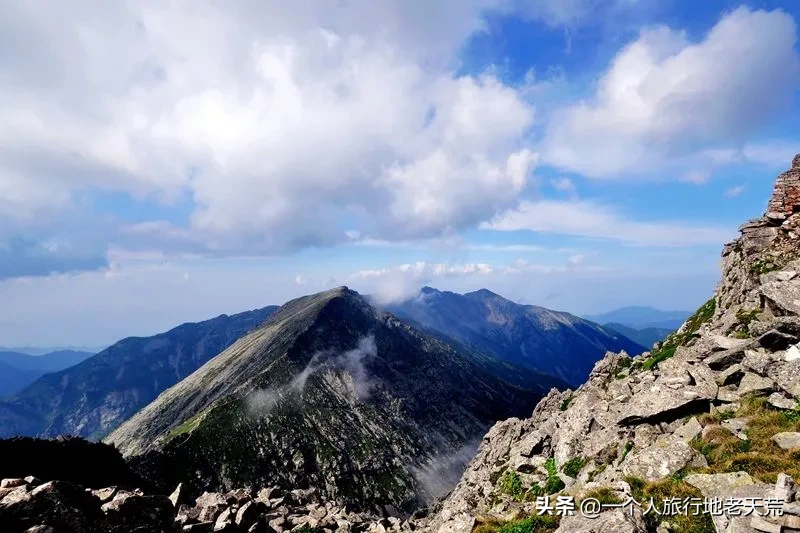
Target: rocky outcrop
30,505
712,411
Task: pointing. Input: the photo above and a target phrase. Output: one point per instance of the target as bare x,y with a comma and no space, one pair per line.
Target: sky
167,161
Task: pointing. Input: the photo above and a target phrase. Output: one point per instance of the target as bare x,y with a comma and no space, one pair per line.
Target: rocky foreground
710,413
32,506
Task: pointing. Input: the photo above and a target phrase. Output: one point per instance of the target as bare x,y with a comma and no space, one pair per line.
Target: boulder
662,459
11,483
133,510
779,401
59,504
753,383
787,440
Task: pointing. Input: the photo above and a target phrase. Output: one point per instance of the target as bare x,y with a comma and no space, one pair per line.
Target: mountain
329,393
43,350
640,317
93,397
713,413
18,370
13,379
526,335
647,337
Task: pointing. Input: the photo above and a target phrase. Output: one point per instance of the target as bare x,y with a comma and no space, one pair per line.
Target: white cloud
665,98
396,283
733,192
592,220
564,184
278,120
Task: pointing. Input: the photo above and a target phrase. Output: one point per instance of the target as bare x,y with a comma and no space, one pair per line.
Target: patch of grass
762,266
532,524
605,495
759,456
553,483
510,484
673,488
628,447
565,402
679,338
573,467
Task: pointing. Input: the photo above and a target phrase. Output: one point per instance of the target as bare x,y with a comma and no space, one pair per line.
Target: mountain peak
483,294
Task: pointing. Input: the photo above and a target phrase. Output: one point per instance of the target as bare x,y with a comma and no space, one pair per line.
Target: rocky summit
332,394
711,412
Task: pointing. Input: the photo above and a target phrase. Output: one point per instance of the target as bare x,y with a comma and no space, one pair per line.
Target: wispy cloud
350,364
733,192
596,221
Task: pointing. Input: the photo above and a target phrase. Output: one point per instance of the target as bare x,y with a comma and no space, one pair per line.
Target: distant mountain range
647,337
641,317
95,396
330,392
18,370
549,341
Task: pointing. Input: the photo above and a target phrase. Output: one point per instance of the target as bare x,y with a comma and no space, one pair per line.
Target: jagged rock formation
334,394
95,396
30,505
712,411
554,342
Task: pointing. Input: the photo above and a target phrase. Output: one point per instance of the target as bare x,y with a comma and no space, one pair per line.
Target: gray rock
723,360
760,524
689,430
11,483
785,488
615,521
178,496
753,383
730,376
662,459
779,401
787,440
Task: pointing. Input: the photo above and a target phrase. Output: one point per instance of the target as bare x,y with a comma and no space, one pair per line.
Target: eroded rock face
639,418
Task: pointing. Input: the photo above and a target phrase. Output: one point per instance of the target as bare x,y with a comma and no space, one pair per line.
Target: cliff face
710,412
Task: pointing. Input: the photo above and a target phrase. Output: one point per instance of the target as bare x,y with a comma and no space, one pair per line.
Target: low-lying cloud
350,363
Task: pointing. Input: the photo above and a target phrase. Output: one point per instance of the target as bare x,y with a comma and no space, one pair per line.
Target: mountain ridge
554,342
96,395
322,367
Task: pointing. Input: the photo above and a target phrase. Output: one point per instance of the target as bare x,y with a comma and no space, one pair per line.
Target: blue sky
171,161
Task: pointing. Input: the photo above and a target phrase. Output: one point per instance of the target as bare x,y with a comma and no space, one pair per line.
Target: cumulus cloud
278,121
665,97
596,221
